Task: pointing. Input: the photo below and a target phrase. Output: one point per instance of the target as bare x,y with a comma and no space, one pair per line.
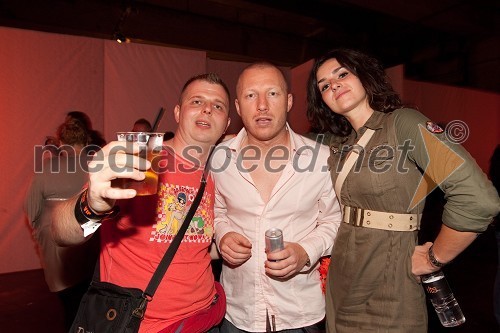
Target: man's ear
177,113
290,102
237,104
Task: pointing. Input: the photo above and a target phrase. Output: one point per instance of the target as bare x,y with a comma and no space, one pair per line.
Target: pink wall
297,116
477,112
42,77
139,79
396,76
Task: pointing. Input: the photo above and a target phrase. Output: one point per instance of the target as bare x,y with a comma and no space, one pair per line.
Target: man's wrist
308,261
87,218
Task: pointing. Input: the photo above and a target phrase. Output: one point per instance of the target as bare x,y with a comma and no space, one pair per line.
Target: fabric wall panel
140,79
42,77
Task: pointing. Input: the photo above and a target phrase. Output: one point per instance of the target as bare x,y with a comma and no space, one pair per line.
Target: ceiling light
120,38
118,35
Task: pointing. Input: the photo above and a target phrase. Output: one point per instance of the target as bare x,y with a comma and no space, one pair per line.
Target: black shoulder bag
108,308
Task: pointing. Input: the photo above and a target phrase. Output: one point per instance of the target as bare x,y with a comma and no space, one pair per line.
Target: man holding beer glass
133,242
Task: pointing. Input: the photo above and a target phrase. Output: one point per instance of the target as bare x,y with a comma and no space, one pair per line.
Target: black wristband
84,214
433,260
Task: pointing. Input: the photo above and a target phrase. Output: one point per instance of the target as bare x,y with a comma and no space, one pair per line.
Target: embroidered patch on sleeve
433,127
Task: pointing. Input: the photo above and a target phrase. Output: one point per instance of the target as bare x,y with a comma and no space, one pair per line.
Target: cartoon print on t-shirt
175,213
174,202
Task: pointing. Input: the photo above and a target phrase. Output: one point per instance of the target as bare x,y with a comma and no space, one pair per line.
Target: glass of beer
150,146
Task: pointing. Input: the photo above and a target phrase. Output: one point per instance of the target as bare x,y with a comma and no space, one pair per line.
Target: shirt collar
375,122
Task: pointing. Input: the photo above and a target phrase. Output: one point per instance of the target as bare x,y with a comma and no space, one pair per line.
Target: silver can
274,240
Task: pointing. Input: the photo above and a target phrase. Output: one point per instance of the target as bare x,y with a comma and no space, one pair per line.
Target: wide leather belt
381,220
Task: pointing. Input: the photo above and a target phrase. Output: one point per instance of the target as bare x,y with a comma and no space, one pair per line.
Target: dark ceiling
454,42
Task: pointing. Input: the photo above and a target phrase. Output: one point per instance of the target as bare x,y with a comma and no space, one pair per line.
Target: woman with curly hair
373,281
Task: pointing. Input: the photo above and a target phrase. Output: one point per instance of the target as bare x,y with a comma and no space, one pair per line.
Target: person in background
67,271
142,125
51,145
96,138
133,242
270,177
373,280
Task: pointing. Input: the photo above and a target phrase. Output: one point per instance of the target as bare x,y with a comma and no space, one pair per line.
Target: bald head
261,66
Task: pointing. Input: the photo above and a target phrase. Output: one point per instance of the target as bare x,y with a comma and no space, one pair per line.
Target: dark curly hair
369,71
73,132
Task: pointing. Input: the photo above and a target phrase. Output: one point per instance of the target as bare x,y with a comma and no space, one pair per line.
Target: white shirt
303,205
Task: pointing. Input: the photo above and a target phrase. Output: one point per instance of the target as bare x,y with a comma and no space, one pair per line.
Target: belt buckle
345,218
362,216
353,217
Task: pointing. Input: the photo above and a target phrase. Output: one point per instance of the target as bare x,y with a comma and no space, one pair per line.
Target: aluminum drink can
274,240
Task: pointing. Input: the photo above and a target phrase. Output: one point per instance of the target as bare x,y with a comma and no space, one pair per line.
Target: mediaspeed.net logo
442,163
119,159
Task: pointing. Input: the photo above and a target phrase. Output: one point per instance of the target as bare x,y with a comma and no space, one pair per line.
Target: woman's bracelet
433,260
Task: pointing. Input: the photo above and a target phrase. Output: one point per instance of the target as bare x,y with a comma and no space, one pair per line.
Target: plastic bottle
442,298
